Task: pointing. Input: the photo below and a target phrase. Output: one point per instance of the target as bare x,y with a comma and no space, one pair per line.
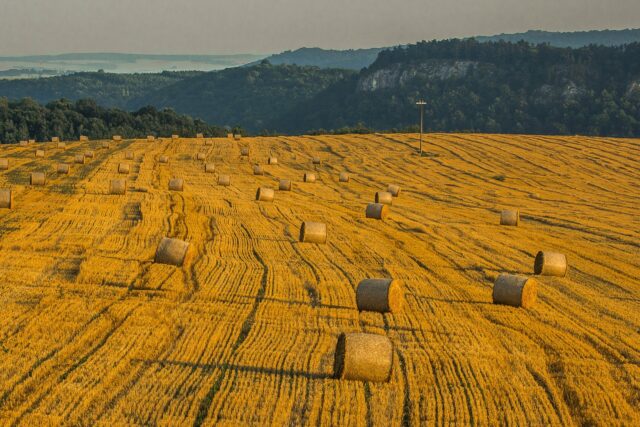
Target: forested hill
573,39
486,87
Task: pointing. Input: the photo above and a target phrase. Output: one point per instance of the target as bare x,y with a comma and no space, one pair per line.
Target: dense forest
468,86
574,39
26,119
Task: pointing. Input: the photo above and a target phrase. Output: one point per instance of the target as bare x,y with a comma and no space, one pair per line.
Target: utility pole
421,103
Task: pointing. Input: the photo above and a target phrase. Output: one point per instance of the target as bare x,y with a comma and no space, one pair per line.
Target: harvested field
92,331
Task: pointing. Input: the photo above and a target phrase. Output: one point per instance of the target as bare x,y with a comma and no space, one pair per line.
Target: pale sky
270,26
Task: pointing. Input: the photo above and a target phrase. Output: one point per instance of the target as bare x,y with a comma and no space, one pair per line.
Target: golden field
92,332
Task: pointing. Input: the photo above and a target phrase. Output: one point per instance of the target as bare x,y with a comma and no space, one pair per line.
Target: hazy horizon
202,27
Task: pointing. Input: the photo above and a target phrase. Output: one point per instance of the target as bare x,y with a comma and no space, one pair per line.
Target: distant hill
107,89
352,59
251,96
569,39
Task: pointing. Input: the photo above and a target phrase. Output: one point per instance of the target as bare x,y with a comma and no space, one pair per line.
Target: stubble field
93,332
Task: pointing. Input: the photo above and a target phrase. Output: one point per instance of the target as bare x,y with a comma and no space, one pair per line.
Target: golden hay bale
265,194
381,295
55,139
200,136
4,164
38,178
377,211
23,143
175,136
237,137
117,138
224,180
244,151
163,159
118,186
89,154
363,357
61,145
515,290
84,138
208,142
313,232
209,167
39,153
106,144
309,177
123,168
173,252
284,185
257,170
510,217
316,160
151,138
394,190
32,141
201,156
79,158
550,264
6,198
63,168
272,160
176,184
230,135
344,177
129,155
384,198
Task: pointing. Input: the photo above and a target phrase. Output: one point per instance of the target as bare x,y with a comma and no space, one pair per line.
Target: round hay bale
363,357
55,139
106,144
384,198
117,137
377,211
38,178
344,177
84,138
515,290
284,185
6,198
244,151
316,160
118,186
265,194
23,143
309,177
79,158
209,167
61,145
173,252
237,137
163,159
257,170
394,190
313,232
272,161
129,155
123,168
175,136
208,142
176,184
201,156
39,153
89,154
550,264
510,217
32,141
4,164
63,168
151,138
199,135
381,295
224,180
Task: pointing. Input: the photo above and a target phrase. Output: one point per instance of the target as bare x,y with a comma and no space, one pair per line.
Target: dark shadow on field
237,368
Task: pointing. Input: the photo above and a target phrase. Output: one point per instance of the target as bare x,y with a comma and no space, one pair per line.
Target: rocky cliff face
398,74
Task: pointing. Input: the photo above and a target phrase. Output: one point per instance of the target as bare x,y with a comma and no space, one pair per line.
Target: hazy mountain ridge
574,39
